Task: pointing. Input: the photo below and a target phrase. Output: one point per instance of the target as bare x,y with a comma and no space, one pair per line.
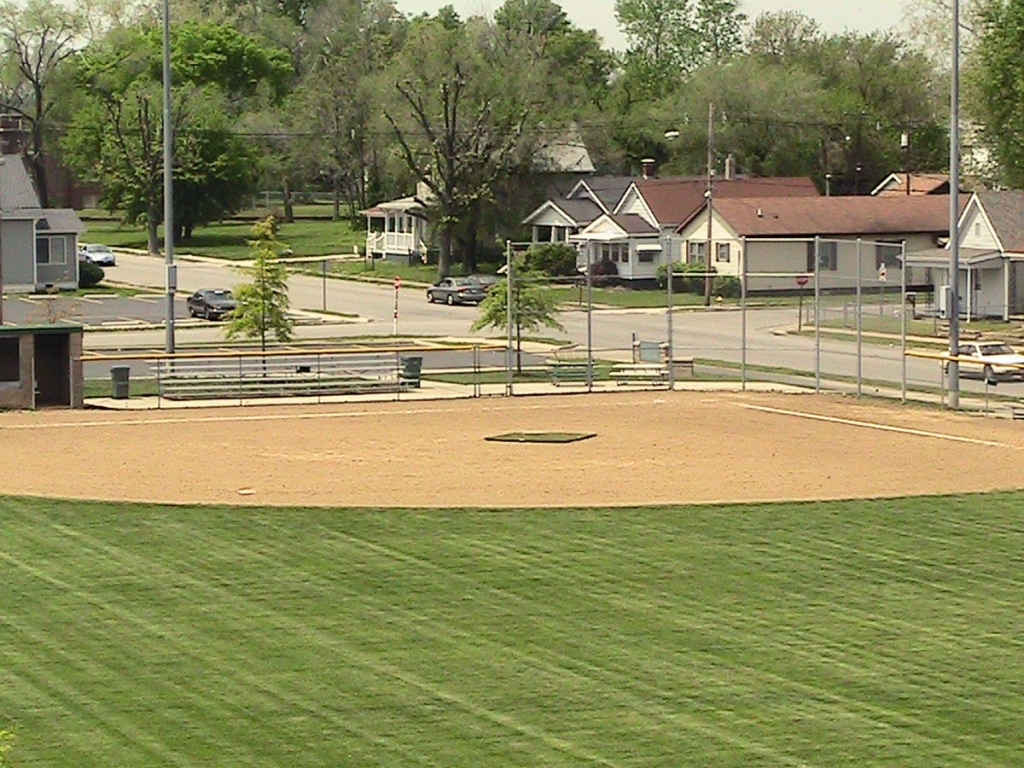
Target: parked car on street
996,361
98,254
456,290
211,303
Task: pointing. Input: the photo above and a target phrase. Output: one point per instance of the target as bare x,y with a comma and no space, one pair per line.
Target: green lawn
879,633
227,240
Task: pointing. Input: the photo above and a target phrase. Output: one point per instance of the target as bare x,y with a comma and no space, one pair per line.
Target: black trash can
119,382
412,365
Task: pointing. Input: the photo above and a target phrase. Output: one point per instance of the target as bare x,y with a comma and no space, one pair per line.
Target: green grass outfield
879,633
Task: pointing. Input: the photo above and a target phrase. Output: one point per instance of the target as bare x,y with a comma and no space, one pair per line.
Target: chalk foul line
880,427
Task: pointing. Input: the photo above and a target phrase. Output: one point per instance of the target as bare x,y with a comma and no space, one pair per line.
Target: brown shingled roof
673,201
809,216
920,184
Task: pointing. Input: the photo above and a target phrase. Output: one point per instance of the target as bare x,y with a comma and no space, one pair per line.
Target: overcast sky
832,15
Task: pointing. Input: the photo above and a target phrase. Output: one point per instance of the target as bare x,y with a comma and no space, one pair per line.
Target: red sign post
394,320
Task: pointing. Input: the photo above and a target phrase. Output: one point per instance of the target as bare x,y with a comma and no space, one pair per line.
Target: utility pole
709,194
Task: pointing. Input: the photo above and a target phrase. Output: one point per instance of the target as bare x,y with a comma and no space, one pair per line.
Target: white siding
633,202
975,231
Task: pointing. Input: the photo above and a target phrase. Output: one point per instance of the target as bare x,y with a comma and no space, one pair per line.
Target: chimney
730,167
647,167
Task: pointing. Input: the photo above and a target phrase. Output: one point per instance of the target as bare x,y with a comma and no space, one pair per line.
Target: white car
996,361
98,254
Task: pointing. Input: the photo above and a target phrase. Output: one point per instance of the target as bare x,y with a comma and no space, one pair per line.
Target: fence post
476,370
859,309
817,314
903,316
743,313
508,319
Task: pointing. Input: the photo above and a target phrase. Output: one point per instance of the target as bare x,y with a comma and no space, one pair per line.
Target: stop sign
801,280
398,282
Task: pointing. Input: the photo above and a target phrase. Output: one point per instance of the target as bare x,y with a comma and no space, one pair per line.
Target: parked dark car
211,303
456,290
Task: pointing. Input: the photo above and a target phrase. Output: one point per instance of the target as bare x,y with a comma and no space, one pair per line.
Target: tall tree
117,136
35,43
670,38
1000,83
347,46
783,36
459,121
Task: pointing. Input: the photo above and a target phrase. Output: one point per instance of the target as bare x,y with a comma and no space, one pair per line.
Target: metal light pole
952,303
172,274
711,205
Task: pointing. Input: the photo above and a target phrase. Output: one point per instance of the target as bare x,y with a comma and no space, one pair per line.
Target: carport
41,366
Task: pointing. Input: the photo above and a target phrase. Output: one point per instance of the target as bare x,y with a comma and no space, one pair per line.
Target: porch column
1006,290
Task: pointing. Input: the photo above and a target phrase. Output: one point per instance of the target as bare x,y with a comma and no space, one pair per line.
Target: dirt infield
650,448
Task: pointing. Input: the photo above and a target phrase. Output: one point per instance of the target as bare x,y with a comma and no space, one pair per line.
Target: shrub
604,268
555,259
685,280
726,286
89,274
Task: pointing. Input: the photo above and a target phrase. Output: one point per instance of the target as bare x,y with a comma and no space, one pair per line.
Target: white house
556,219
397,230
636,249
991,260
773,240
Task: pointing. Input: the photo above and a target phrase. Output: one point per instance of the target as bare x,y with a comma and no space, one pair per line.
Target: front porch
397,230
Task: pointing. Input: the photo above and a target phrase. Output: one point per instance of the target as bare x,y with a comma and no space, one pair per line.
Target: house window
722,252
888,254
828,252
977,229
645,253
543,234
51,250
695,251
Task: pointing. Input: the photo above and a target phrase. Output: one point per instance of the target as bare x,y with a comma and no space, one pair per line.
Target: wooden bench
567,371
639,373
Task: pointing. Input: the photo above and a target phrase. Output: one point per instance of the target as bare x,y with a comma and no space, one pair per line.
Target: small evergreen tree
262,305
533,306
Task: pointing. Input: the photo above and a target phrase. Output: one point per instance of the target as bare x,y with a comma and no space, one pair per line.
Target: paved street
356,309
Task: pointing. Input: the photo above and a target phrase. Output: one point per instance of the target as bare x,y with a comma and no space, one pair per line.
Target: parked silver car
98,254
456,290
